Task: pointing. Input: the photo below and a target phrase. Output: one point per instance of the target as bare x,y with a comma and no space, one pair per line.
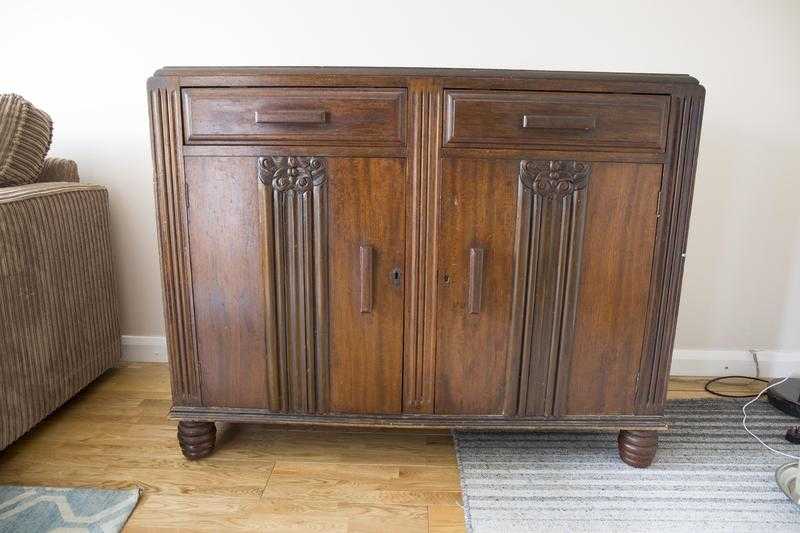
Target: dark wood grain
197,439
637,448
366,349
494,117
477,211
297,116
530,80
176,272
551,213
295,255
670,252
600,370
224,232
419,363
427,421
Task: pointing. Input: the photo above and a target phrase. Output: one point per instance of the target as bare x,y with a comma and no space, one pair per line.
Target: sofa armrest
58,169
59,319
20,193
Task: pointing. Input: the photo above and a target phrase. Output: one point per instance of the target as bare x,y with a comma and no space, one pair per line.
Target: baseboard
144,349
684,362
771,364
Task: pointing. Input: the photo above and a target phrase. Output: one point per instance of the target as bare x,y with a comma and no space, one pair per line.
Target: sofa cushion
25,135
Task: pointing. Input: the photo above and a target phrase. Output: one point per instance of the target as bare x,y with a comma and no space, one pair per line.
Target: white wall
86,64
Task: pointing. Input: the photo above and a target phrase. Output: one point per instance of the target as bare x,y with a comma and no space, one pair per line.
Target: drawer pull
300,116
365,276
558,122
475,280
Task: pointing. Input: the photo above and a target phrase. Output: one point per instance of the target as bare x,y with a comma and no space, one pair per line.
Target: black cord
723,395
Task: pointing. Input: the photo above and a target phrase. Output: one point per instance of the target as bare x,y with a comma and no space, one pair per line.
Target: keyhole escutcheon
396,276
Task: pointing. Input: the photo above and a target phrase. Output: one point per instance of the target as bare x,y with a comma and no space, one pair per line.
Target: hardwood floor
260,478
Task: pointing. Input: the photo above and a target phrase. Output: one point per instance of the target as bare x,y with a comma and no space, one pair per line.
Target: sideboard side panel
165,128
670,253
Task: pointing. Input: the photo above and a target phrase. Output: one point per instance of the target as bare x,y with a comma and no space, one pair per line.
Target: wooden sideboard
445,248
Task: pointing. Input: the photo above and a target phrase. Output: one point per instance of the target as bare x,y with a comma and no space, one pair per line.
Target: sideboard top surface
444,77
415,71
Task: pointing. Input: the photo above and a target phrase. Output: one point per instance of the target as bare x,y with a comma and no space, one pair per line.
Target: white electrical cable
744,420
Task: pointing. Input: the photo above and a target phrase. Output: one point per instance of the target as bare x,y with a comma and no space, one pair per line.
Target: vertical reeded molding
551,211
170,194
670,249
294,225
425,118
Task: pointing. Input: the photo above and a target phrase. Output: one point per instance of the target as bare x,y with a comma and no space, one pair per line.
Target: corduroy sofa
59,322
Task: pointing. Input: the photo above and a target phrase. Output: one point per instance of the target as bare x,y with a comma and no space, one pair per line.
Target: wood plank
364,483
306,514
445,519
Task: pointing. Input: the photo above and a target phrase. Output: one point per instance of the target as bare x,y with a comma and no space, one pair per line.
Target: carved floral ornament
292,173
554,178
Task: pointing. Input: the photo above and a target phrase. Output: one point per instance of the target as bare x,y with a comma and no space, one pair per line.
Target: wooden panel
478,200
568,119
598,376
670,252
224,233
295,115
551,209
295,236
366,210
425,117
165,129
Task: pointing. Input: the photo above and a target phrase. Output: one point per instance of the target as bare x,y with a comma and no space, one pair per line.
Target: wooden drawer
294,116
548,118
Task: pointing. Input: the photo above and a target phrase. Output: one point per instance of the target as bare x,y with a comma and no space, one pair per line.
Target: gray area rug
35,509
708,475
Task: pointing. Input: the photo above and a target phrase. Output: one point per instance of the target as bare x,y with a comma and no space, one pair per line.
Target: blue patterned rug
34,509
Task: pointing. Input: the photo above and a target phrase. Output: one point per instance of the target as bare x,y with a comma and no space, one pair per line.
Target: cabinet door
600,366
585,240
297,287
227,280
475,248
543,282
366,253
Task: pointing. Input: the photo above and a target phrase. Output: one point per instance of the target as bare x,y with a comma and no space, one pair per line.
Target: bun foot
637,448
197,439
